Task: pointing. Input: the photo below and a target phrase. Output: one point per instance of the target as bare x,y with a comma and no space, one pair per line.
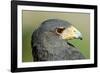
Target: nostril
74,31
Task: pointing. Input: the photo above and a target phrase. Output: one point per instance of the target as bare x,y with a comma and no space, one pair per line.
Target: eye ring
59,30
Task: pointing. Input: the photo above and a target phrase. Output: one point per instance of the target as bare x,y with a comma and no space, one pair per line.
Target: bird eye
59,30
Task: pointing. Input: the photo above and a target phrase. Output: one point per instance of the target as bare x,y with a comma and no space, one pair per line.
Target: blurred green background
32,20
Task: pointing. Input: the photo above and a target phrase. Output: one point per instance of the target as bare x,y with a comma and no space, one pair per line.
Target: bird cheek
67,36
64,34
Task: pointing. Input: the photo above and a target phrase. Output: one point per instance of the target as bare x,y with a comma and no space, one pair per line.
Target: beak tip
81,38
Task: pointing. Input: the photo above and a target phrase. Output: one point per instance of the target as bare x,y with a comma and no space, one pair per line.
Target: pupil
60,30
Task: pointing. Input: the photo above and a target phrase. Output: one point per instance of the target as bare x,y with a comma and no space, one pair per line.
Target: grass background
31,20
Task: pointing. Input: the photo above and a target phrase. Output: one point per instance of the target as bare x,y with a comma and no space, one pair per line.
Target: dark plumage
48,42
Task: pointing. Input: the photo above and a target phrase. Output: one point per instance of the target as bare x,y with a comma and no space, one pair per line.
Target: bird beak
71,33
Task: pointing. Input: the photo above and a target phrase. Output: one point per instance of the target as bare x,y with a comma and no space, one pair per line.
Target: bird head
61,28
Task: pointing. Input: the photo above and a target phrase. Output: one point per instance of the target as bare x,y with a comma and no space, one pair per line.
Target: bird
49,41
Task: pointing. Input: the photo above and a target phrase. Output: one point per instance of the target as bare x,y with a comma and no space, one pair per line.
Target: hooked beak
80,38
78,35
71,33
